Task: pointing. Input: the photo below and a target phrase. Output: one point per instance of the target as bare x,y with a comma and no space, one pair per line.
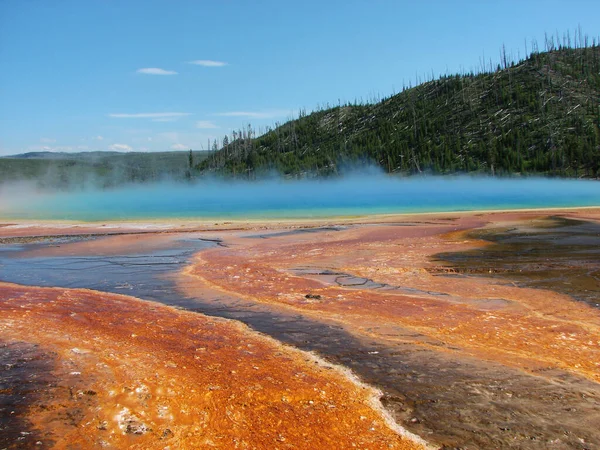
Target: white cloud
47,140
179,147
208,63
165,119
161,115
156,71
47,148
205,124
120,147
82,147
255,114
97,138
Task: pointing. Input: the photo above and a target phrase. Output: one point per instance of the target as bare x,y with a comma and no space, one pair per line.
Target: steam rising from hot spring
355,194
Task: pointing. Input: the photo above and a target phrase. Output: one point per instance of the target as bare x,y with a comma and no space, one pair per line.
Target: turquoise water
353,195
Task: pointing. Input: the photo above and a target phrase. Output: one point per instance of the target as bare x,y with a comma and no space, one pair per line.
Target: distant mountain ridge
538,116
63,155
97,169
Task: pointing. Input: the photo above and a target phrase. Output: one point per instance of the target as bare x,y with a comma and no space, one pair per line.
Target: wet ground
98,370
449,397
557,253
139,274
24,370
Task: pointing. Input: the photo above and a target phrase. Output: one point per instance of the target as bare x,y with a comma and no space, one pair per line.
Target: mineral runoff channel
457,330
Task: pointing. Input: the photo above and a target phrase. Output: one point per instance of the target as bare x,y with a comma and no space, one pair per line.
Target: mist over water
350,195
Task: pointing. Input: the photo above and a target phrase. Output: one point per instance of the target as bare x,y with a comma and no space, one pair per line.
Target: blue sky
149,75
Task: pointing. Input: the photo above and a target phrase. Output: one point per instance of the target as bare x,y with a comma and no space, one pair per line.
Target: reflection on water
558,254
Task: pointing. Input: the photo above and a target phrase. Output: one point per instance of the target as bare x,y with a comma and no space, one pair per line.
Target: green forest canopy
540,115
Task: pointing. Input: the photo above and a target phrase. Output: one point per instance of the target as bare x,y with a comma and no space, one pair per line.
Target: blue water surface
351,195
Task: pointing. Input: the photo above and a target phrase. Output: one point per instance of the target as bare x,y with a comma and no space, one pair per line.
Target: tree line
537,115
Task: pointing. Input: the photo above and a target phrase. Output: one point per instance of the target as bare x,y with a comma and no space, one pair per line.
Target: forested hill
538,116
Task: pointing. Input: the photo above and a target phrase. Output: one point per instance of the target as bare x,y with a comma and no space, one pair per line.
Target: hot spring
347,196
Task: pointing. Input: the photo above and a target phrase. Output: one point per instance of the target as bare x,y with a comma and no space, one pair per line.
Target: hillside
538,116
95,169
